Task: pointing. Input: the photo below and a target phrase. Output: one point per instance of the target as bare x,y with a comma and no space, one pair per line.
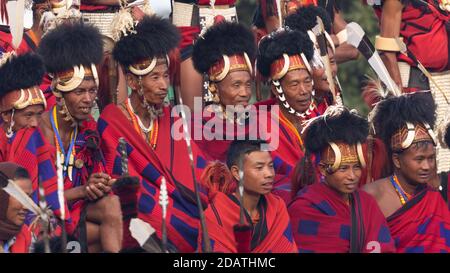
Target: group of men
178,160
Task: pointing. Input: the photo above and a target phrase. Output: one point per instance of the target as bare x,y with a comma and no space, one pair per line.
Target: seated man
229,87
251,219
15,237
284,58
332,215
417,216
146,123
70,52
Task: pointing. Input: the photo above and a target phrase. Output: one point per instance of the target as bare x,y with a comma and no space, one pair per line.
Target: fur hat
71,44
285,41
153,37
224,38
21,72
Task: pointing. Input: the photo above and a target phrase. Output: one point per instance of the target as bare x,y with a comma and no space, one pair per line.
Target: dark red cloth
272,233
424,32
170,160
379,162
29,149
213,134
26,45
286,156
322,221
23,241
422,225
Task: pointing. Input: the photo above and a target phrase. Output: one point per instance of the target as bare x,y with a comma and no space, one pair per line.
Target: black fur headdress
154,37
344,126
390,115
273,46
447,136
304,18
71,44
21,71
225,38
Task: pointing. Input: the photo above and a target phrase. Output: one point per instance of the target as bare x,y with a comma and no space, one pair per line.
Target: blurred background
352,75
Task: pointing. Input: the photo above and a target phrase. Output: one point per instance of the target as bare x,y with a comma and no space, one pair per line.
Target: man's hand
98,185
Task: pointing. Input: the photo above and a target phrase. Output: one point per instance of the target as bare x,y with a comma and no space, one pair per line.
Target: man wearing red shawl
417,216
304,20
332,215
424,28
145,122
15,236
224,54
70,53
250,219
193,17
21,105
284,58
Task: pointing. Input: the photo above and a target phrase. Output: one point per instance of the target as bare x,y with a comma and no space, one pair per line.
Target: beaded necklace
140,128
403,195
67,159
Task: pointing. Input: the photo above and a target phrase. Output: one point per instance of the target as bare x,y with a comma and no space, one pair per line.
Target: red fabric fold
321,222
422,225
273,231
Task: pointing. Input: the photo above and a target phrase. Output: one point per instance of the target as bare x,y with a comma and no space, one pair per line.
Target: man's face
81,100
345,179
258,173
297,87
417,163
16,212
155,85
321,84
235,88
26,118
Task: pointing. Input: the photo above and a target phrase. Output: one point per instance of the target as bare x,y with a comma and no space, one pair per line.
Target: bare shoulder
46,127
376,188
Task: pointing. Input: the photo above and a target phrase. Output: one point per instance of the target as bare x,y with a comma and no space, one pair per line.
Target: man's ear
323,169
5,117
235,172
132,81
396,160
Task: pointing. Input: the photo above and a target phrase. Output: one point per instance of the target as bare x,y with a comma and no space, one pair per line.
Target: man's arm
391,18
344,51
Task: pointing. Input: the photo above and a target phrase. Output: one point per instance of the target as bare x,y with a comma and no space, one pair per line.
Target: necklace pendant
79,163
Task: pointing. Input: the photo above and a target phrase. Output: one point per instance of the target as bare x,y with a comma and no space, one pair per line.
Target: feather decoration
319,32
15,191
146,237
358,38
164,202
16,11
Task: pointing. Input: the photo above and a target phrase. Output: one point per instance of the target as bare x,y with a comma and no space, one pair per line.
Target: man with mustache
328,214
252,220
146,122
229,86
417,216
284,57
304,20
70,53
